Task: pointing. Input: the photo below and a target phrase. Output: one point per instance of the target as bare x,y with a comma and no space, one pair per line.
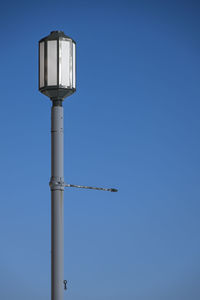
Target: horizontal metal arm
57,183
90,187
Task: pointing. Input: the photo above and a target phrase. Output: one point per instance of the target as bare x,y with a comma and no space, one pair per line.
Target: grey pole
57,193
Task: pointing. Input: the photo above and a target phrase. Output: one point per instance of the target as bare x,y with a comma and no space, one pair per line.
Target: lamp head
57,65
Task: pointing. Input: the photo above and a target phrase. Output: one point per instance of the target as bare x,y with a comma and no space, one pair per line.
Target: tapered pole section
57,191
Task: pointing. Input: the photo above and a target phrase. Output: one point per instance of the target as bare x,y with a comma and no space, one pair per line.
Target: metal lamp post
57,80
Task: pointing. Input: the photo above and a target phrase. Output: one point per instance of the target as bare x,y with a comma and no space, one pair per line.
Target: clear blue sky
133,123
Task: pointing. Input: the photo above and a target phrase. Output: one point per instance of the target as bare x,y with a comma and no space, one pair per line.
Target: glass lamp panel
52,63
74,65
41,64
64,63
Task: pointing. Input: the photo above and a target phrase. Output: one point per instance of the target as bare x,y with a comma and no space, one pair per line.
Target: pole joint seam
56,183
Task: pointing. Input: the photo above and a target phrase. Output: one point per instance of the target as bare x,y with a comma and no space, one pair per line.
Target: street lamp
57,80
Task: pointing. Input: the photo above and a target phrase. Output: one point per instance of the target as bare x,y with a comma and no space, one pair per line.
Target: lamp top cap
57,31
56,35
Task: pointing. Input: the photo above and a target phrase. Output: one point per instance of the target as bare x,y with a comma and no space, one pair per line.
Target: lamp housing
57,65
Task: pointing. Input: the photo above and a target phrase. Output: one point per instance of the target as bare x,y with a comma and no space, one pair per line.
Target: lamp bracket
57,183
